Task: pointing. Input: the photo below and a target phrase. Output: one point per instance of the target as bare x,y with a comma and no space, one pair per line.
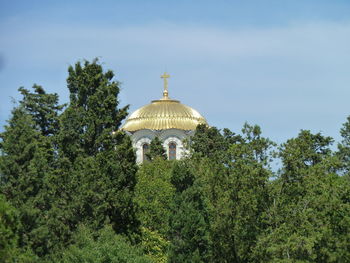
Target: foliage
156,149
189,220
100,247
63,169
211,143
237,195
93,113
95,176
155,246
308,220
344,146
43,108
70,190
25,162
154,194
8,230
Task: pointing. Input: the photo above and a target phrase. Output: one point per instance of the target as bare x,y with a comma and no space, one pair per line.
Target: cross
165,76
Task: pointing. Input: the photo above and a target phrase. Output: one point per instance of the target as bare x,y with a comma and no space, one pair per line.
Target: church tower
168,119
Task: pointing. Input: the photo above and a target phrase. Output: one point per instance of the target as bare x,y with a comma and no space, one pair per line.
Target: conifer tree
27,159
93,114
44,109
8,230
95,176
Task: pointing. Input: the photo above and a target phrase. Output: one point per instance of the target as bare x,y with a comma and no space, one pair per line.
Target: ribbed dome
164,114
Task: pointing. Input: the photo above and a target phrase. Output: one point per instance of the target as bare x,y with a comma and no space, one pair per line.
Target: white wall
176,136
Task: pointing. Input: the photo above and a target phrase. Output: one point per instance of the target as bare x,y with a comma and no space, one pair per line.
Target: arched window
145,150
172,151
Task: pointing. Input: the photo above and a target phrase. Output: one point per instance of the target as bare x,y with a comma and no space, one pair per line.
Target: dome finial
165,76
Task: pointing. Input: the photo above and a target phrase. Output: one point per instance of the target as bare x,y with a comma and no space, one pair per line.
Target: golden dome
164,114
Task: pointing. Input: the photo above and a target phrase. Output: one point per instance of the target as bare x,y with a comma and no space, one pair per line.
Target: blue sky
284,65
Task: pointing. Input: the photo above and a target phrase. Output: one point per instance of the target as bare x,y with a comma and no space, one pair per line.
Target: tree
154,194
106,247
344,147
28,156
27,151
308,218
237,195
189,221
156,149
44,109
210,142
26,160
298,155
93,114
21,144
94,179
9,228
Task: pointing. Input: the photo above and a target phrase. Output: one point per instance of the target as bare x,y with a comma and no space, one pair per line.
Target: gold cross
165,76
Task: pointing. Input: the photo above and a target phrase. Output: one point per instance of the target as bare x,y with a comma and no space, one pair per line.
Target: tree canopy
71,191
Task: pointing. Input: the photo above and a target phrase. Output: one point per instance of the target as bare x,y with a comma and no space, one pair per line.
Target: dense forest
70,190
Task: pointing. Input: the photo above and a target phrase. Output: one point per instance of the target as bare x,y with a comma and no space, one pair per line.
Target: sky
283,65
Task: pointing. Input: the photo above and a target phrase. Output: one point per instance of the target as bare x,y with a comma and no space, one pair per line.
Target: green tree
301,153
9,225
308,220
100,247
94,179
237,194
9,228
210,142
25,161
156,149
26,149
344,146
44,109
154,195
93,114
189,221
21,144
154,245
28,156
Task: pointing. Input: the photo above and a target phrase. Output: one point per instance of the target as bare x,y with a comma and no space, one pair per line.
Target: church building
168,119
